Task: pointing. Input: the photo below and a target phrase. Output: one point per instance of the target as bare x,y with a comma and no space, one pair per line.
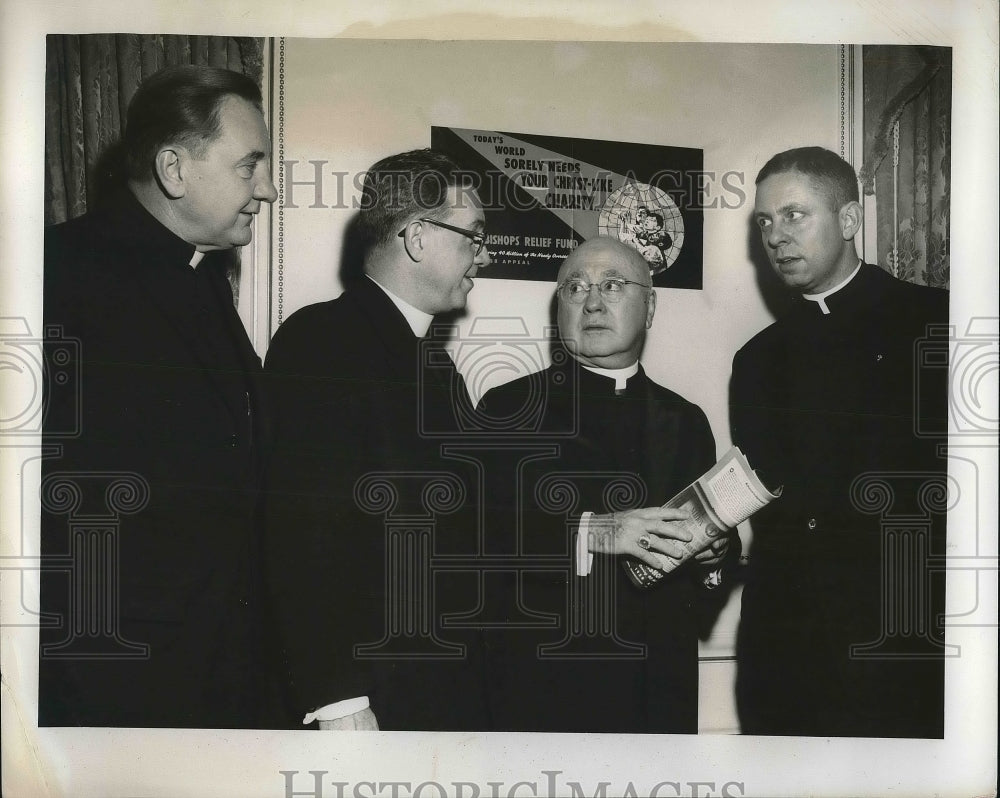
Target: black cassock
364,514
837,408
593,653
148,527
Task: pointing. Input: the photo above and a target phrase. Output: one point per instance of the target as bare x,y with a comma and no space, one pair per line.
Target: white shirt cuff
337,710
584,557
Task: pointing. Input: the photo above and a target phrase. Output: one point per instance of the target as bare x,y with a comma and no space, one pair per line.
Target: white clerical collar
419,321
196,259
620,376
821,298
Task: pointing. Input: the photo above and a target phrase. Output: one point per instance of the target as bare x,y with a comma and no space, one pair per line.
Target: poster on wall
544,195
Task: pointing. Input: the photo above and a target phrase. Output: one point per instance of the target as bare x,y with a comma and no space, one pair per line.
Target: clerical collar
196,259
135,222
419,321
820,299
620,376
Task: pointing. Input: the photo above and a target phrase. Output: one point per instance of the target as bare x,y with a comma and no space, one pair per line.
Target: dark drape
907,158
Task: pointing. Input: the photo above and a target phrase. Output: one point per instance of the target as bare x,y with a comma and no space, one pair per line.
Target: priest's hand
362,720
640,534
716,550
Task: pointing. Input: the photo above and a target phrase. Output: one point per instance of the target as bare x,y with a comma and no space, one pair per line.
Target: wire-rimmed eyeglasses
477,236
611,289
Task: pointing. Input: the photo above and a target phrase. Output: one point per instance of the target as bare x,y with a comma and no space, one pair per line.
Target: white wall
352,102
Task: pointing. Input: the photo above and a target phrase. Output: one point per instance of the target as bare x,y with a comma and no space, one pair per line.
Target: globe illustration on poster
647,219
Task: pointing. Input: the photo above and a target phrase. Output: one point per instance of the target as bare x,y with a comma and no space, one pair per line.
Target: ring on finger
644,542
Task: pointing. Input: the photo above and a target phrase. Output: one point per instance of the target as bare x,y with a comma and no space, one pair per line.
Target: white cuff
584,557
337,710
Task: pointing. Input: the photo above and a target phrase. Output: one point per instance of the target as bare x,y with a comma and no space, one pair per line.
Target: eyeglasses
478,238
611,289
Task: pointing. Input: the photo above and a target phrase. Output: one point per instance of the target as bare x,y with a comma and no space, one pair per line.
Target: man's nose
594,300
264,189
482,259
775,235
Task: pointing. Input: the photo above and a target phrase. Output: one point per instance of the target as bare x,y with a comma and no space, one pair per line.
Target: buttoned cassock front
817,400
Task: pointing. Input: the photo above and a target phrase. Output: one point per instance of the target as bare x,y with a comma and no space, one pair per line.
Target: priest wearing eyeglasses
350,398
584,649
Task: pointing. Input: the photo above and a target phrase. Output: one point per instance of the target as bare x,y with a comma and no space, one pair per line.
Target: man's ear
650,308
169,172
413,240
851,219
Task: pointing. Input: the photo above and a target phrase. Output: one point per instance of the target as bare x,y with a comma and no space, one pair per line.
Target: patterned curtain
89,82
907,158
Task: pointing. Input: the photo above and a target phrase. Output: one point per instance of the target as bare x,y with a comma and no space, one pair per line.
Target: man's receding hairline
605,242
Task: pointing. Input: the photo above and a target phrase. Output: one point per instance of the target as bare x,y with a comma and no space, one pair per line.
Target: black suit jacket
818,400
353,396
610,657
159,425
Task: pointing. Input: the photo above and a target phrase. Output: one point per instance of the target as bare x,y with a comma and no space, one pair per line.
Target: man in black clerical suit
358,496
583,649
148,543
841,631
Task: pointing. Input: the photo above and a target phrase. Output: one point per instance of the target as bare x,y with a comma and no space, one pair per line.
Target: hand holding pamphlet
726,495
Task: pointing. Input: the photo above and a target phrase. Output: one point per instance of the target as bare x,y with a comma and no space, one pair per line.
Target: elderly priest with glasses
582,648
